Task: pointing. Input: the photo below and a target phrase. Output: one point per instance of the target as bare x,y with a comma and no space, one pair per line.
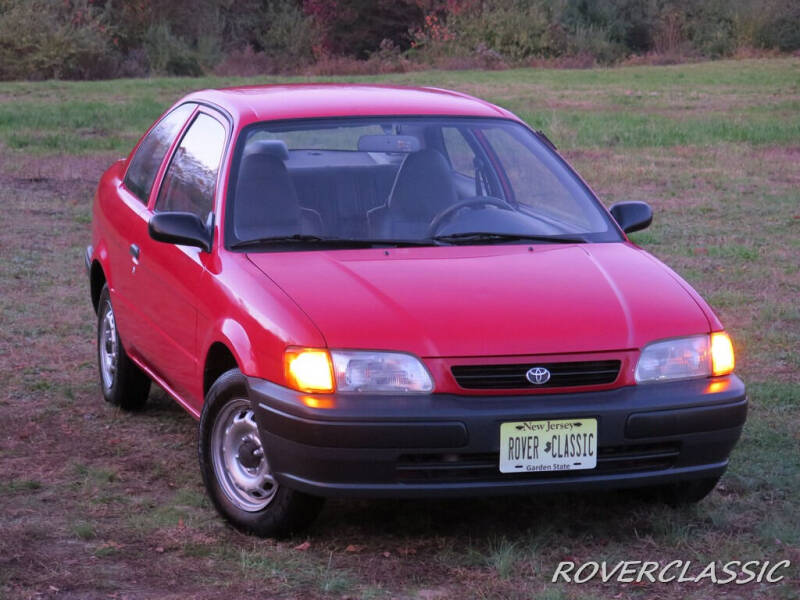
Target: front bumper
448,445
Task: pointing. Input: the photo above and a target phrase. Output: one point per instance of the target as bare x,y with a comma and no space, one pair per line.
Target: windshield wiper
490,236
279,239
389,242
327,241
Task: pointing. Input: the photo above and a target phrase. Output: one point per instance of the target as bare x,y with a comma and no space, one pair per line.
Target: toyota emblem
538,375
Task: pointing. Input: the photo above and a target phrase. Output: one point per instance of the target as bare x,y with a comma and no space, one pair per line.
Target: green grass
631,107
577,129
777,395
19,486
181,509
502,556
293,572
111,503
84,530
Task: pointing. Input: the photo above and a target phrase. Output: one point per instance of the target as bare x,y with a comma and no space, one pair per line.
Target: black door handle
134,250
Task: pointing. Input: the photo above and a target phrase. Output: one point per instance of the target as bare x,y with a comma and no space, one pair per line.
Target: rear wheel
123,383
236,469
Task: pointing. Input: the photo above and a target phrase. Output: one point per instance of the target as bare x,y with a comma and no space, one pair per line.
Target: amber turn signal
308,370
722,360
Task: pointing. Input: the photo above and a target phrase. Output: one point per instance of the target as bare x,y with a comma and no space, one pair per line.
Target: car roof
318,100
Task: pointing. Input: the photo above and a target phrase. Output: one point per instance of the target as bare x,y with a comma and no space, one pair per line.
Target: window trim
159,182
181,129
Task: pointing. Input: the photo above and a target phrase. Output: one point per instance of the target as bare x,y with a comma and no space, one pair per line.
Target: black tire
286,511
682,493
129,386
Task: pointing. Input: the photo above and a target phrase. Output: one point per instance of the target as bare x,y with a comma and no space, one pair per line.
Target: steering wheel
472,203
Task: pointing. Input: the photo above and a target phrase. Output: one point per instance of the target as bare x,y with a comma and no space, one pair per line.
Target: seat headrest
276,148
388,143
423,186
266,200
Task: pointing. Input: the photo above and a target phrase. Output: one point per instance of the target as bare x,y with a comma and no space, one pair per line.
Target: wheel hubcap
238,458
108,349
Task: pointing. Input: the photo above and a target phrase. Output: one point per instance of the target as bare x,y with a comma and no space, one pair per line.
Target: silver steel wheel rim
238,458
109,345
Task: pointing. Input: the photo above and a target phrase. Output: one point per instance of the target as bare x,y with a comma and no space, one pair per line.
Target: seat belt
478,164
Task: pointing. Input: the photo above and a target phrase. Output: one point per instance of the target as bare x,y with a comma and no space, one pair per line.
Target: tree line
96,39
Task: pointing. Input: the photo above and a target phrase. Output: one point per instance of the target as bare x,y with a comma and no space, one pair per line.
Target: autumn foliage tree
358,27
82,39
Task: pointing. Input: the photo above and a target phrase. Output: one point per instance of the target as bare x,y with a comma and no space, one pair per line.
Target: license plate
552,445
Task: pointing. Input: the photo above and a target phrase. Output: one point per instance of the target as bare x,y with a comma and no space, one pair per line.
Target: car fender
233,336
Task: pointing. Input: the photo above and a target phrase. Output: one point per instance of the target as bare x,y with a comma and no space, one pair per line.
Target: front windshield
416,181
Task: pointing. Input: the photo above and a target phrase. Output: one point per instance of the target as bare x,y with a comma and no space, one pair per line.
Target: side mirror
632,216
180,228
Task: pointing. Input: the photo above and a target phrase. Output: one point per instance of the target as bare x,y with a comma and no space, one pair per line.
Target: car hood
487,300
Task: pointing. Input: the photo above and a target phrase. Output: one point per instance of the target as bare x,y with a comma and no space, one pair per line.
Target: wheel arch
99,273
219,359
230,348
97,279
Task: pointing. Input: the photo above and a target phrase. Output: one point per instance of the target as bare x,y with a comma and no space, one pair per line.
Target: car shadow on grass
604,514
161,405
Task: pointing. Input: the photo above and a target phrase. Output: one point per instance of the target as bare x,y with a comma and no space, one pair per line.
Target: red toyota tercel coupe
373,291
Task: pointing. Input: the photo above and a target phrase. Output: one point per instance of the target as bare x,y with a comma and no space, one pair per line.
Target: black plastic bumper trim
686,420
365,434
583,482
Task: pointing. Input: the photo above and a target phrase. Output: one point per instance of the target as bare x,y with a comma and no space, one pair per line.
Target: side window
461,155
150,154
191,177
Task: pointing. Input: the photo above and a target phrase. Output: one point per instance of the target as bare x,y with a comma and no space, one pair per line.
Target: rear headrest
276,148
388,143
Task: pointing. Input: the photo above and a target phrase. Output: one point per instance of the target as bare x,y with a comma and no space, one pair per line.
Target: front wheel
236,470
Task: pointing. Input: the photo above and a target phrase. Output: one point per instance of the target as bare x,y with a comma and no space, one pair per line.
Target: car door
126,214
172,276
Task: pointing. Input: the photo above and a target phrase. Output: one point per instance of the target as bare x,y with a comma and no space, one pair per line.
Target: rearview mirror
632,216
180,228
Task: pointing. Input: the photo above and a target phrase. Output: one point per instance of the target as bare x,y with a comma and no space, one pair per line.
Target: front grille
436,468
563,374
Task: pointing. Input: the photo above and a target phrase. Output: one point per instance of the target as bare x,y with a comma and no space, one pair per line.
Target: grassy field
95,503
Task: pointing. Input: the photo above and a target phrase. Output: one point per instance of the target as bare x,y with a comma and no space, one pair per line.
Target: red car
373,291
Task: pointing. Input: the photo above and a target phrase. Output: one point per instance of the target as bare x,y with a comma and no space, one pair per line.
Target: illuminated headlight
388,372
686,358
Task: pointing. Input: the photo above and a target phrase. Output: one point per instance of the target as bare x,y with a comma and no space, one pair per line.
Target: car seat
422,189
266,202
